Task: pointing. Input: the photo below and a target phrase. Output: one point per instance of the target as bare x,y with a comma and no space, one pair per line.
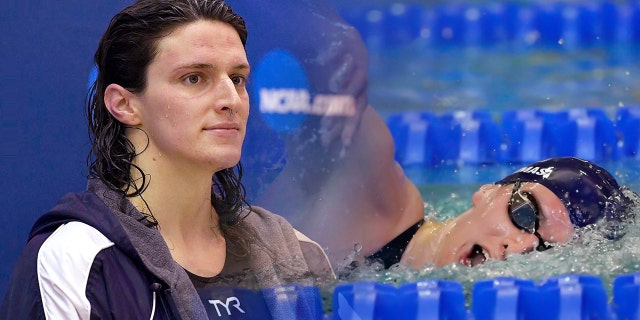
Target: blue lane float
487,23
432,299
626,296
502,298
628,125
475,137
423,138
569,296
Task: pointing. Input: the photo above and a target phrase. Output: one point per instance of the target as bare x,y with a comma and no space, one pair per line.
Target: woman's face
486,231
195,106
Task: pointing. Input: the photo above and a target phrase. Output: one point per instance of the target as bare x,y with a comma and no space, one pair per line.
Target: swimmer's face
487,232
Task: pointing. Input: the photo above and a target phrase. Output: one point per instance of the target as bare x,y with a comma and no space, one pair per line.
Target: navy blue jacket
94,256
116,278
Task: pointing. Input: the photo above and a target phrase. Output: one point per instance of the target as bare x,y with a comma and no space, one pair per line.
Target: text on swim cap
544,172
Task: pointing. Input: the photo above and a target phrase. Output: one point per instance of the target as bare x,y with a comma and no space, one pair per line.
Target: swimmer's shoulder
430,226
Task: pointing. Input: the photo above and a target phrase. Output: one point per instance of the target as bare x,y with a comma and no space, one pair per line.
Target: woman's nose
520,242
227,94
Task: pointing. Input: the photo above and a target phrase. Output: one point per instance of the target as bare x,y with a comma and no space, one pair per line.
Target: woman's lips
224,126
476,255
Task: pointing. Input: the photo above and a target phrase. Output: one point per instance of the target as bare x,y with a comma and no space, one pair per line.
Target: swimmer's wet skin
588,192
532,209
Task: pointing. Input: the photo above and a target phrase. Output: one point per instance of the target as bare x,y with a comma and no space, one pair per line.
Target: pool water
418,76
447,192
499,78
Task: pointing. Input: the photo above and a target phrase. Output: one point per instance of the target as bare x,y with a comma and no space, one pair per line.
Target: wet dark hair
124,53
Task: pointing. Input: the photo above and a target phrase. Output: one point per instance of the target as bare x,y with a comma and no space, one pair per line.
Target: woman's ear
120,103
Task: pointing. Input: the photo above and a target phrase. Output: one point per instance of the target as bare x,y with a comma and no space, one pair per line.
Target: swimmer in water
334,178
535,208
340,185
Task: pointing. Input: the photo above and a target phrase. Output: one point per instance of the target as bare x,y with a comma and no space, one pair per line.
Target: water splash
589,252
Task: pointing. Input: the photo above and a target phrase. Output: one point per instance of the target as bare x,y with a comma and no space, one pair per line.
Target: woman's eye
192,79
239,80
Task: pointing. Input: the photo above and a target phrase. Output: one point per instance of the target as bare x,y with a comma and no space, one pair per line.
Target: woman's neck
176,193
187,221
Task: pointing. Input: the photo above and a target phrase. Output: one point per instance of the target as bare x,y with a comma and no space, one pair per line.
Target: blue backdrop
46,52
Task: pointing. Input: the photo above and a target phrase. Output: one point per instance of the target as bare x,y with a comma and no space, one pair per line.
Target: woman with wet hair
164,217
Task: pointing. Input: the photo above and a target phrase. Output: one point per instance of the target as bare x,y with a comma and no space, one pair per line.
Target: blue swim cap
588,191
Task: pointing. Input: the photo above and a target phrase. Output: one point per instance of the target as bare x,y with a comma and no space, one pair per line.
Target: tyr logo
231,302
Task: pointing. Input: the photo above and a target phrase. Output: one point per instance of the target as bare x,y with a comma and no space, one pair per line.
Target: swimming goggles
523,212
